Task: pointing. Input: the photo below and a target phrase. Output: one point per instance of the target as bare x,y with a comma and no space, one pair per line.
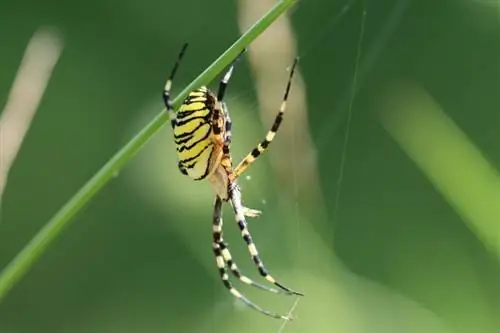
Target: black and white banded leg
228,124
224,260
264,144
167,98
235,198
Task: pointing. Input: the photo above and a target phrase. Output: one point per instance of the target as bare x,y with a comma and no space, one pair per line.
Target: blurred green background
414,249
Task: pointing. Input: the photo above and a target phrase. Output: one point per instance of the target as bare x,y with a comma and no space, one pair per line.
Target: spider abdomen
193,134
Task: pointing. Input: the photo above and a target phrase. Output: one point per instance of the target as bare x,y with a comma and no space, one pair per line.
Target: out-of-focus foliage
401,258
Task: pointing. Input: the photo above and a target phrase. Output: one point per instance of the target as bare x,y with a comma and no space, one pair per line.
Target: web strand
349,119
296,214
329,26
289,314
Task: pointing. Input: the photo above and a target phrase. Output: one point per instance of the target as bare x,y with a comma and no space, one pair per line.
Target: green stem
34,249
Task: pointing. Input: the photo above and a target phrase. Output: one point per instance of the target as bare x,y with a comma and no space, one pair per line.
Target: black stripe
227,139
190,97
184,161
207,167
167,101
217,219
255,153
236,271
216,117
182,148
180,122
178,138
217,250
263,272
277,122
183,114
248,239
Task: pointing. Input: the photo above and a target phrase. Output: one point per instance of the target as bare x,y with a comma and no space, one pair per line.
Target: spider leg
217,238
220,97
223,260
227,162
167,98
235,198
227,137
225,79
262,146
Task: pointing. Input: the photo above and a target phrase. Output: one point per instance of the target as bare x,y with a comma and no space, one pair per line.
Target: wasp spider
202,134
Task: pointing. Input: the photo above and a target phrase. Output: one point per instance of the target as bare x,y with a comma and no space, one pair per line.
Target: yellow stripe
198,135
201,162
197,93
183,118
197,99
193,106
190,126
197,149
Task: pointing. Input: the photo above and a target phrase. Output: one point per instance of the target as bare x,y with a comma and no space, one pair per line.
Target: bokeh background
396,231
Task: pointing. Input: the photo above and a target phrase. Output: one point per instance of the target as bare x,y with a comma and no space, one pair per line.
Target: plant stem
34,249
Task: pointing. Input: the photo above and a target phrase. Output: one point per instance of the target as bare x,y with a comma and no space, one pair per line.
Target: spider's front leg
264,144
167,98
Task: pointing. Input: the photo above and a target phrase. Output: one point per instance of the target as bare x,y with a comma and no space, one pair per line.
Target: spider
202,134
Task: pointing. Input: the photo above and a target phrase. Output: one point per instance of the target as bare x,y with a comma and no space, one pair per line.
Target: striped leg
217,238
223,260
235,197
220,97
227,76
227,162
262,147
167,98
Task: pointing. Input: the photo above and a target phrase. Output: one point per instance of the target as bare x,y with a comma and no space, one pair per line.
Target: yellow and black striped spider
202,134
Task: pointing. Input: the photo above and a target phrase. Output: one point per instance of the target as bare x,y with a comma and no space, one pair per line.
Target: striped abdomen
193,134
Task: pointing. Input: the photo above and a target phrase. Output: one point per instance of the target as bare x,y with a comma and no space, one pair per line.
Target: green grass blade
34,249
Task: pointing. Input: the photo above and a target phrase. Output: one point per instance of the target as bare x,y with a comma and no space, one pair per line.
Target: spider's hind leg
235,197
224,261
